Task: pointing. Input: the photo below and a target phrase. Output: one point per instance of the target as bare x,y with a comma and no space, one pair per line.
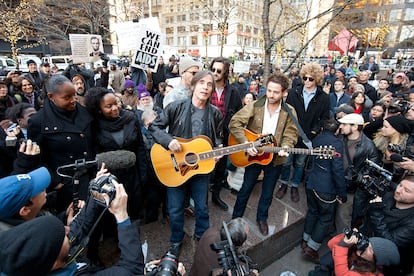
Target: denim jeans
198,186
319,217
298,162
271,174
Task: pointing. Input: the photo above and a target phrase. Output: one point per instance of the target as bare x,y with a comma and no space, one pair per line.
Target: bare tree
300,24
18,22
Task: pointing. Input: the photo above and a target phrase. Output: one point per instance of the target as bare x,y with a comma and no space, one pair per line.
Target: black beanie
32,247
400,123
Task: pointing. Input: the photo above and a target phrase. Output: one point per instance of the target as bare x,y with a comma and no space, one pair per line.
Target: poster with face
86,47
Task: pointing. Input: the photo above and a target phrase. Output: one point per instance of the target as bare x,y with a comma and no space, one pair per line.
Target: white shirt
270,121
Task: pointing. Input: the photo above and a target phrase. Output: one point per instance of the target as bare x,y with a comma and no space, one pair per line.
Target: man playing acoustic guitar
189,118
267,115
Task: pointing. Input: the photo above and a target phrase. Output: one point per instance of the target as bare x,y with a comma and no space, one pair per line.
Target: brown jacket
251,117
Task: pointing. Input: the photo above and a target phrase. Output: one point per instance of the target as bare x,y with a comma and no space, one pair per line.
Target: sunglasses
216,70
308,78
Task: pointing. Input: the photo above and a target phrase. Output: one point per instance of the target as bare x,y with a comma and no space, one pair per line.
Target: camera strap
84,242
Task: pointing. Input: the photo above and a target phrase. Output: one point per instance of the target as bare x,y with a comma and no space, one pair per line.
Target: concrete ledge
277,245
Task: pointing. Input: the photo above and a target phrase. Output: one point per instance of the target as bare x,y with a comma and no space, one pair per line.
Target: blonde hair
314,70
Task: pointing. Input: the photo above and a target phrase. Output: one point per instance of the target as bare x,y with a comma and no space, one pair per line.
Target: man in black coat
189,118
312,109
391,217
228,101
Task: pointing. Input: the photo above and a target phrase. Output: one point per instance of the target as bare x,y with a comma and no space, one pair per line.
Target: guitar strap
302,134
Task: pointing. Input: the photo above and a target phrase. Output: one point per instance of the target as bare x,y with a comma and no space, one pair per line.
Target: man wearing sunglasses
312,108
187,68
228,101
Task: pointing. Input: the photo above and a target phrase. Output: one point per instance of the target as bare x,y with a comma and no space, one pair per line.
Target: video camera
374,179
228,258
167,267
363,241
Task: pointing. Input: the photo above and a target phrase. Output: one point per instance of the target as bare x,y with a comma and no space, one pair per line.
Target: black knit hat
400,123
32,247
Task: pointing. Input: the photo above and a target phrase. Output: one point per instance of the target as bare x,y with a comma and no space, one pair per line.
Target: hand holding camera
118,206
352,236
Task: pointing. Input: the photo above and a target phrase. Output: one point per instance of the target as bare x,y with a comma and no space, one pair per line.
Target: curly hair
314,70
93,100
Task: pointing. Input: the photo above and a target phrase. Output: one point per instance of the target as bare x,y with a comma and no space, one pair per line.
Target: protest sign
86,47
149,49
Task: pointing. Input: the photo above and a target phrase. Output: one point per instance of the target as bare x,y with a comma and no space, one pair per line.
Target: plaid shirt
219,103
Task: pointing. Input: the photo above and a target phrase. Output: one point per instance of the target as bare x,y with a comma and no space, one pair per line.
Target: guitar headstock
264,140
325,152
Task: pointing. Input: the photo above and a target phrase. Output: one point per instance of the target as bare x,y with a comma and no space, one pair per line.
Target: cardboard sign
149,49
86,47
241,66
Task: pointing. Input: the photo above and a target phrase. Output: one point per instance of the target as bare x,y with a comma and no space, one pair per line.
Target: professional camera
103,185
374,179
399,152
363,241
401,106
167,267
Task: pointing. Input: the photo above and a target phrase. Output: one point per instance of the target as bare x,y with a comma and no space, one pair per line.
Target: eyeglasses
192,72
216,70
308,78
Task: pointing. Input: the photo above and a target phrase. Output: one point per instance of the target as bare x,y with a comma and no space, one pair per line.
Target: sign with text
149,49
241,66
127,33
86,47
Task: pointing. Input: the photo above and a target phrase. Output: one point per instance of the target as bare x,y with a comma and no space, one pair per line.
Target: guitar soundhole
191,159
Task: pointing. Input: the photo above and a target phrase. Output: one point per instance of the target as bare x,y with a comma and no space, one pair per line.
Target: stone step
285,221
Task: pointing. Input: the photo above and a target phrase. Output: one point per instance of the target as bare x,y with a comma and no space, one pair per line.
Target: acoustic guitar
196,157
265,156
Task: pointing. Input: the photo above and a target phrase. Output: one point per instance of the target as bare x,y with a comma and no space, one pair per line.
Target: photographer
391,217
42,245
206,261
354,254
357,148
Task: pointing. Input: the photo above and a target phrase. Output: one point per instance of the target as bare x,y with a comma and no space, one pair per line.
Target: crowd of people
54,125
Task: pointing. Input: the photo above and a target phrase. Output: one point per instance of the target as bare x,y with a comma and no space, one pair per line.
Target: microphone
396,157
116,159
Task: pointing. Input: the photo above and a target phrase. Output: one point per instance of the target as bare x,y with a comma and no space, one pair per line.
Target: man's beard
146,107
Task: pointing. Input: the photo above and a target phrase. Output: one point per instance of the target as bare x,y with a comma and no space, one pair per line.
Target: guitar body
173,169
242,158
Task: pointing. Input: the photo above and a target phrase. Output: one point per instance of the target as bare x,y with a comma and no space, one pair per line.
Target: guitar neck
290,150
225,151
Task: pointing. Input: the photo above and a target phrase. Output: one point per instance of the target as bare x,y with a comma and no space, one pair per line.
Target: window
194,28
194,40
169,30
181,29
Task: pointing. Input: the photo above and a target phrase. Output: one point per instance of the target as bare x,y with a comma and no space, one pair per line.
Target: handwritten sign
149,49
241,66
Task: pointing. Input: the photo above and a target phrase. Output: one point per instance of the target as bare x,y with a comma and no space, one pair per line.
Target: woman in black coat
118,129
62,129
